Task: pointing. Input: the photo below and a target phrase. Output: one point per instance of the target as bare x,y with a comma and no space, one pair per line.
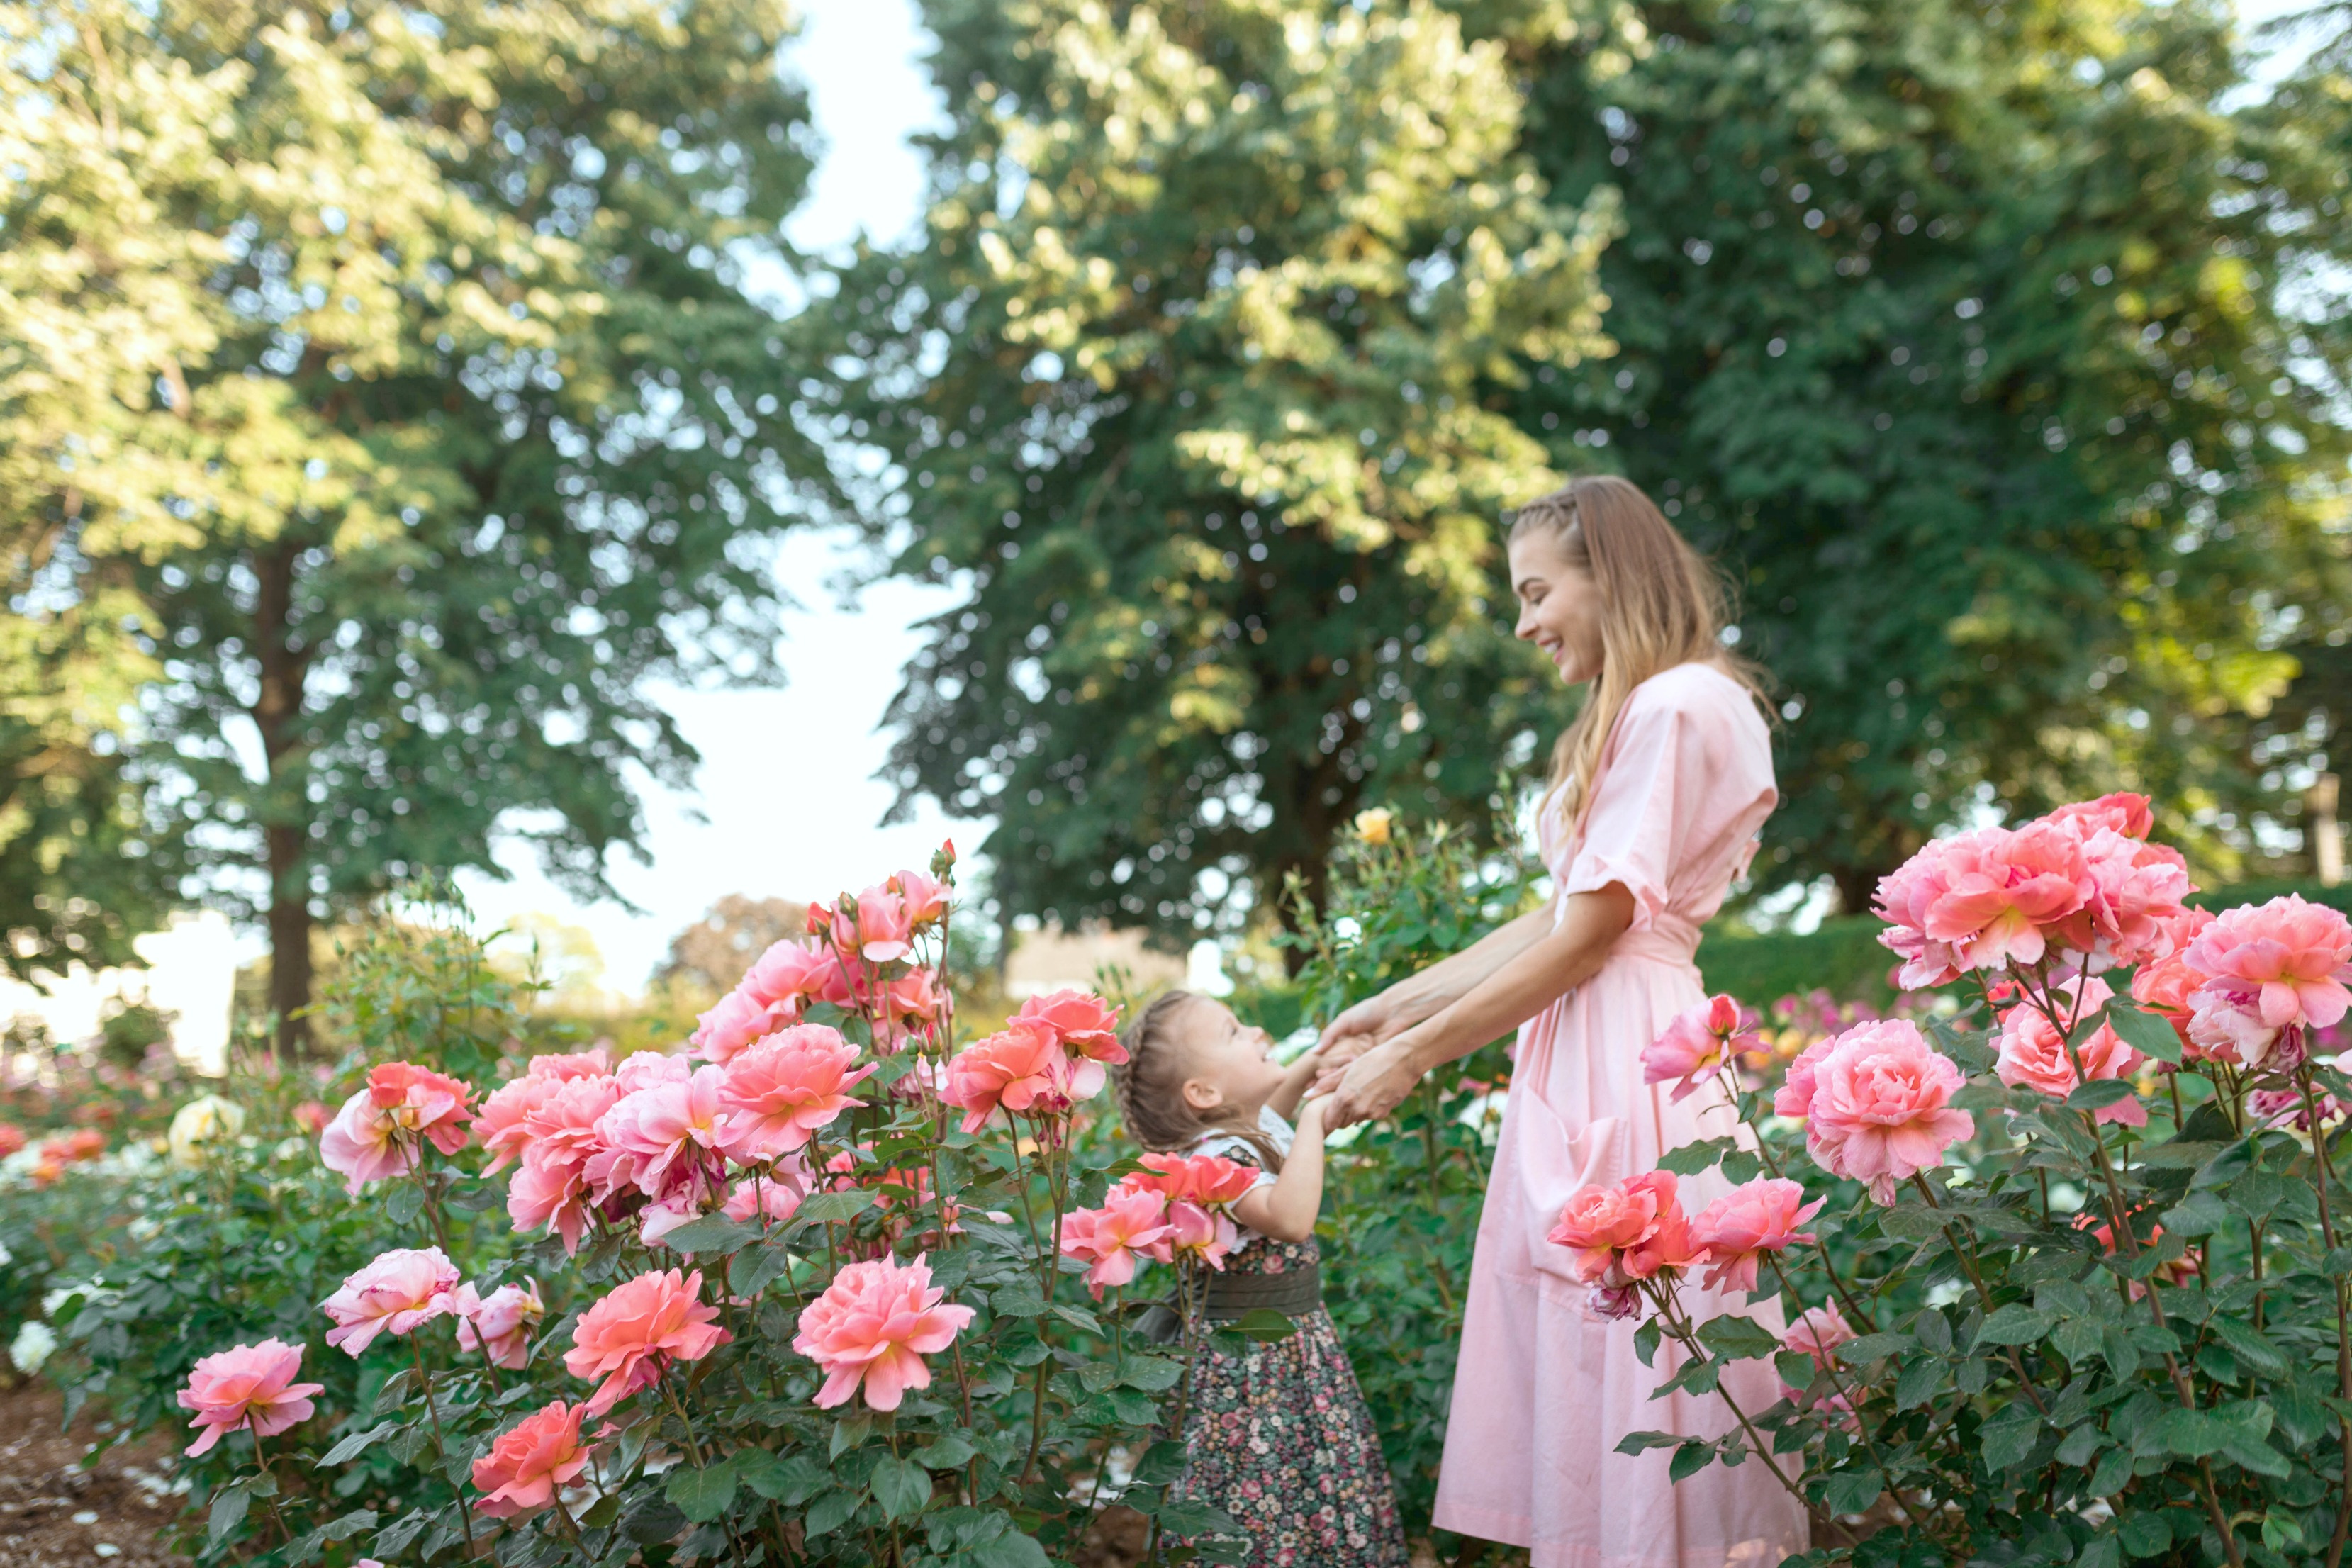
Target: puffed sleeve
1653,782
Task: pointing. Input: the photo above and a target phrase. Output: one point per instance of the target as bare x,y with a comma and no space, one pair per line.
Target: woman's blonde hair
1662,604
1151,1088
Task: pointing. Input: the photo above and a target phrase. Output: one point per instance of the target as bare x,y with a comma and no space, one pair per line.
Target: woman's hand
1368,1023
1374,1084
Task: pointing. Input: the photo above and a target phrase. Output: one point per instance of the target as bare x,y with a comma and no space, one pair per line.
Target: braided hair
1150,1087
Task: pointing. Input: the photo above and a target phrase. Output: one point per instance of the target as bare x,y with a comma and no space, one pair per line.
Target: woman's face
1560,607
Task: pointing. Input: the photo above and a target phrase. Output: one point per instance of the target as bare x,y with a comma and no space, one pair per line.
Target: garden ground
54,1514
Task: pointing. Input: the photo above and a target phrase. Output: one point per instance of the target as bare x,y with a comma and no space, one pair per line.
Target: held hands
1373,1084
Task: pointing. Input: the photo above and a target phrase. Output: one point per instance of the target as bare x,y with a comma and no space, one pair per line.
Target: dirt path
54,1514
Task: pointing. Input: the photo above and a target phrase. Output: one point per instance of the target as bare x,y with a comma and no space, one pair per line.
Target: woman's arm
1416,998
1530,980
1286,1209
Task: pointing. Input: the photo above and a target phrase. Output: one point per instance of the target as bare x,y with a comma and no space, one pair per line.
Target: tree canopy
381,399
1197,382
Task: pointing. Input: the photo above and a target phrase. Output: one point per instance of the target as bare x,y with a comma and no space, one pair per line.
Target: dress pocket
1554,1164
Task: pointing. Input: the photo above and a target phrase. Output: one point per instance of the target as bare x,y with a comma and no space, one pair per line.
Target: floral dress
1280,1438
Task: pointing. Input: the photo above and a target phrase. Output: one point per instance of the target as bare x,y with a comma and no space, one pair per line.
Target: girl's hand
1374,1084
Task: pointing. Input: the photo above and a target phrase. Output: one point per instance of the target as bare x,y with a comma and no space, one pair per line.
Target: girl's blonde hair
1150,1087
1662,604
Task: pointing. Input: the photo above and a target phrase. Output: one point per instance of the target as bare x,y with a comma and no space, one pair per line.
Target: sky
786,803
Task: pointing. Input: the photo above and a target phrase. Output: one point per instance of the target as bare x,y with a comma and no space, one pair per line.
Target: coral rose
500,1325
1794,1097
1131,1228
886,929
531,1460
1022,1068
923,898
423,1104
1694,1045
1205,1236
559,1139
502,1125
2033,1053
565,1067
393,1294
1628,1232
1880,1110
2164,986
664,1140
734,1020
2136,893
1087,1024
2130,816
873,1326
1205,1179
1982,900
1817,1333
12,1139
362,1144
1746,1222
629,1336
248,1388
783,1089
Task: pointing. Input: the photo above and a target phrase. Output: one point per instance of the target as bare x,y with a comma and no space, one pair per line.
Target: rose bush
2072,1285
808,1289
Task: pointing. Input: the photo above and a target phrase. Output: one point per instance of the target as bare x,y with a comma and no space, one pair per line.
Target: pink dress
1545,1388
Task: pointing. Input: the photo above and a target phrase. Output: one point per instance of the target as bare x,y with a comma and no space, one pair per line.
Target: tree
398,389
1195,381
2001,350
714,952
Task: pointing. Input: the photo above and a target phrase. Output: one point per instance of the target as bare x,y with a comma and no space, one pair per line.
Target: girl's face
1228,1066
1559,605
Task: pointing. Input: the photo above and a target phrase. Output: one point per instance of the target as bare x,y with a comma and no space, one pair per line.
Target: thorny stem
261,1460
1684,1335
440,1446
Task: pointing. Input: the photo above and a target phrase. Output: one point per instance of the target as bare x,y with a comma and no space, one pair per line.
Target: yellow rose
201,1123
1372,827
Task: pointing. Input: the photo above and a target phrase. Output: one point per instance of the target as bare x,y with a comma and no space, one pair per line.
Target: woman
1656,793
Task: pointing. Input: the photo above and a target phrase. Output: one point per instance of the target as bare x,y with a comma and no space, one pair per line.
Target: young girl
1277,1437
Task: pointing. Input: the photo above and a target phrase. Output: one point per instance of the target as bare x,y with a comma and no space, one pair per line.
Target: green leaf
394,1539
754,1268
849,1431
2015,1324
2114,1472
350,1524
2247,1343
2009,1436
2144,1534
1692,1158
2099,1093
1079,1318
1918,1383
405,1203
2148,1033
1735,1338
1645,1340
2232,1160
1264,1324
2254,1452
1797,1369
1692,1455
1013,1549
2281,1531
2081,1446
356,1444
830,1208
829,1513
711,1233
2199,1214
1018,1299
1852,1491
703,1495
228,1511
2191,1432
1868,1348
1151,1373
1190,1516
2106,1551
1161,1463
901,1486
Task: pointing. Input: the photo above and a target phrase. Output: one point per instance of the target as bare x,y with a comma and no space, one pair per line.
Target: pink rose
246,1388
559,1139
392,1295
531,1461
309,1116
736,1020
1794,1097
775,1196
629,1336
873,1326
422,1103
885,928
2164,986
1982,900
1817,1333
785,1088
1088,1025
1113,1240
1205,1236
664,1141
1022,1068
1881,1108
1748,1221
924,898
2134,899
362,1144
500,1325
2268,968
2033,1053
1694,1045
1632,1231
590,1063
502,1124
2127,814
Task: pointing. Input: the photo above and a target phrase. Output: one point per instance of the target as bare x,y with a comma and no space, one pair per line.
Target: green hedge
1843,955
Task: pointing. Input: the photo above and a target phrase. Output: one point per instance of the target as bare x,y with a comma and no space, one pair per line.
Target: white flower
33,1344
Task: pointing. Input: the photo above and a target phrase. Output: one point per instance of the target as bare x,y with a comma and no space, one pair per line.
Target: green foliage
388,387
1403,1194
2009,389
1192,380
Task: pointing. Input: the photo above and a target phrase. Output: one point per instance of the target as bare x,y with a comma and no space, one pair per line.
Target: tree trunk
1857,886
278,714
